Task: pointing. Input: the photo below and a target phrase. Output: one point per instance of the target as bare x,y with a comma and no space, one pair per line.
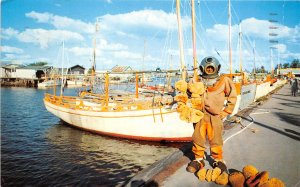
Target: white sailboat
132,117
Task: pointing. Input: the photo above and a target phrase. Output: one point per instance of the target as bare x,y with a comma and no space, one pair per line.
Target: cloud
144,18
8,49
16,56
220,32
127,35
8,33
101,46
295,35
81,51
280,47
253,27
45,37
288,55
127,55
62,22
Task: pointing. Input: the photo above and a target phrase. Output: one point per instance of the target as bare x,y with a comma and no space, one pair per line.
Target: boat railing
126,104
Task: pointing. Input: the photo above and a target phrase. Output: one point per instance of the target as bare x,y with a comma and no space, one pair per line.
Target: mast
194,41
94,56
229,37
254,70
144,54
272,68
183,73
240,49
62,68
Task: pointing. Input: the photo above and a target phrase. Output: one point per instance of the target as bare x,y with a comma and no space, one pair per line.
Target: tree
286,65
38,64
262,69
295,63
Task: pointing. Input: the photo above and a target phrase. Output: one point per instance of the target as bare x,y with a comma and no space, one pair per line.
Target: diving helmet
210,67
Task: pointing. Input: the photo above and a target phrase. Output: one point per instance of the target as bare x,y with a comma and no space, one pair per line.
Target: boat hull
247,95
150,125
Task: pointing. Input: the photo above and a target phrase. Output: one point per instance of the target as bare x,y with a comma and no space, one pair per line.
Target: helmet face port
210,69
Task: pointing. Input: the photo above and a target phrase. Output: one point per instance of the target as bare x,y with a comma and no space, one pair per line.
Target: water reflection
103,156
37,150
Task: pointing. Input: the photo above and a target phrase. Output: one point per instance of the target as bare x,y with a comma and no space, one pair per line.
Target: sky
143,34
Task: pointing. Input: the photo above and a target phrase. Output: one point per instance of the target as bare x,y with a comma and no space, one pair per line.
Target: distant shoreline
19,83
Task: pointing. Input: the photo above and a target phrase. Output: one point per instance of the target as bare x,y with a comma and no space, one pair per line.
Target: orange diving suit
211,126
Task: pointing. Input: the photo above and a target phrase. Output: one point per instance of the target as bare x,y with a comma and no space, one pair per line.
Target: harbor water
37,149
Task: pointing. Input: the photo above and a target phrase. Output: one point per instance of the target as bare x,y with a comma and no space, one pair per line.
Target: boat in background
49,84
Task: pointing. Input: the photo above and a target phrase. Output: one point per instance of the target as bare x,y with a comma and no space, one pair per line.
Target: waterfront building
76,70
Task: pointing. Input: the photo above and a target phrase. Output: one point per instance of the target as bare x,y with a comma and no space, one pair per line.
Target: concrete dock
269,140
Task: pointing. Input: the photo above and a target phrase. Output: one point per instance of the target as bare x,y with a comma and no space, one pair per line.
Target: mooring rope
247,126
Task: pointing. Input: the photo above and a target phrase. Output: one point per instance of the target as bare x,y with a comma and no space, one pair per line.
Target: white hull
265,88
48,84
74,83
139,124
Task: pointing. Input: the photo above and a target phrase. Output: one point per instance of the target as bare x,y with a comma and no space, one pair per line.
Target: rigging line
167,45
224,62
247,37
236,64
215,21
247,126
244,34
249,45
203,40
185,34
164,47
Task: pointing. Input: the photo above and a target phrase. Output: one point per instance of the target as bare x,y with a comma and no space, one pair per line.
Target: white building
32,72
9,71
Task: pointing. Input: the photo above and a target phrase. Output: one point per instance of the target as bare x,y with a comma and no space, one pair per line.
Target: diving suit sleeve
231,94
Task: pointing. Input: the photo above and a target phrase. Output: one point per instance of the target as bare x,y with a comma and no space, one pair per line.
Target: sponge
274,182
195,115
181,98
236,179
249,171
196,88
264,177
185,113
222,179
208,175
181,86
196,103
215,173
201,174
